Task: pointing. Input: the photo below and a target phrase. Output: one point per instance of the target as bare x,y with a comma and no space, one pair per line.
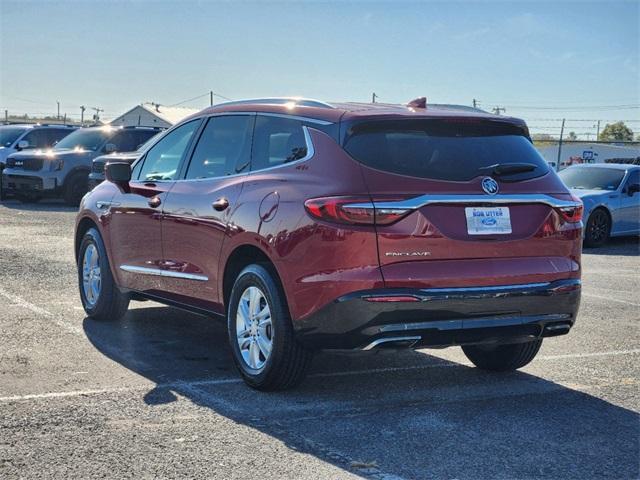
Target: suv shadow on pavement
383,415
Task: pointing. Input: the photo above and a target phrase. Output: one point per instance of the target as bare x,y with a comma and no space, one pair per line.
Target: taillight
572,214
352,211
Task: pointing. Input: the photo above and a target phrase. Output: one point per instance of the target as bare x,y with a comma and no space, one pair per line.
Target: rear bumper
441,317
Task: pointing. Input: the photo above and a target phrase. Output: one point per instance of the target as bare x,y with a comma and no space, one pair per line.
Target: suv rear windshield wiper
510,168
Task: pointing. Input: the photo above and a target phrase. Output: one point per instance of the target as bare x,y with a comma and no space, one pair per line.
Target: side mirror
22,144
118,173
110,148
633,188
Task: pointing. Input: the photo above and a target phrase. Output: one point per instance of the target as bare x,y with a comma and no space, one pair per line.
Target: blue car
611,196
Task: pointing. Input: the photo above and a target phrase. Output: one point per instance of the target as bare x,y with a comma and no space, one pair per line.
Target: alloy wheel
254,330
91,279
598,226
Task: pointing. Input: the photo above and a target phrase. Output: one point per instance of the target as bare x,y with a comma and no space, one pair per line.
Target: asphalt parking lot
156,395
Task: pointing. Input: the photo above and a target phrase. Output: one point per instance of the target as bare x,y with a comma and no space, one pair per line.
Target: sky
540,60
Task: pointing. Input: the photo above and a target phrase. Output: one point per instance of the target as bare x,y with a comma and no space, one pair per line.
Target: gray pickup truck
64,171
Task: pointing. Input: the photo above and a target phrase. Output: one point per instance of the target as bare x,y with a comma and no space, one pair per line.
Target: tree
542,137
616,131
572,136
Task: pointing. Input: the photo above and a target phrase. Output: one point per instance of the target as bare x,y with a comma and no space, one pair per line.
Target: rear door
629,205
475,200
135,224
199,208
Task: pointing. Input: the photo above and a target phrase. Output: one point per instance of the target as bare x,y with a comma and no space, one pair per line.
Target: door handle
221,204
154,202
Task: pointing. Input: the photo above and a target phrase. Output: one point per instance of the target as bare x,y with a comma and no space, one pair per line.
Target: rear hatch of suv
464,202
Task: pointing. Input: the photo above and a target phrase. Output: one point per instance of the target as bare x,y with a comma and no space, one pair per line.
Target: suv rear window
453,150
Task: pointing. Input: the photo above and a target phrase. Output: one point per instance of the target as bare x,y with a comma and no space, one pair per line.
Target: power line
199,97
188,100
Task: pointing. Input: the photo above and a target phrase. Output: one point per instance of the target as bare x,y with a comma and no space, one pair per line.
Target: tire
75,188
109,303
598,228
502,358
288,361
28,198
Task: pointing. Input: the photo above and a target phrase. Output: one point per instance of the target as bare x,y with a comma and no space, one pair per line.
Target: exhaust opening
393,342
554,329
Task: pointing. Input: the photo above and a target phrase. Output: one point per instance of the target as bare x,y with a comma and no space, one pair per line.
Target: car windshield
146,144
8,135
85,139
592,178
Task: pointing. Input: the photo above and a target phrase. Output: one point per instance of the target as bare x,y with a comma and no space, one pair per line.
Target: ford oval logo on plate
490,186
489,222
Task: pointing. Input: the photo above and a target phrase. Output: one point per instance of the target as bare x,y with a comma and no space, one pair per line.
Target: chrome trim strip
501,198
379,341
142,270
163,273
185,276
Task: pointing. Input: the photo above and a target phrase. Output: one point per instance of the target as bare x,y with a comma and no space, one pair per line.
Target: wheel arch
75,171
604,207
239,258
84,224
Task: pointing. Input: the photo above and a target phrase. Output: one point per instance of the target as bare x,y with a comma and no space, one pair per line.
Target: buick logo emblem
490,186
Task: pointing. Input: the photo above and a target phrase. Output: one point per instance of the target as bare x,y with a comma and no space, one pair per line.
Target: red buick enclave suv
310,225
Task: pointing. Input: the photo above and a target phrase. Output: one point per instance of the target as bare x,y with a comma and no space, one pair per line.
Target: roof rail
304,102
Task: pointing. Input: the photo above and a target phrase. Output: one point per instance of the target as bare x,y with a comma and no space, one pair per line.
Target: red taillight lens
572,214
352,211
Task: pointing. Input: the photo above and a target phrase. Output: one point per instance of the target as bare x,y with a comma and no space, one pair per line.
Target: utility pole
58,110
82,109
373,97
497,110
6,117
65,118
475,103
96,117
598,131
211,98
560,146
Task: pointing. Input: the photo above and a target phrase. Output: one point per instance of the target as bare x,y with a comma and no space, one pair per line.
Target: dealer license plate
488,220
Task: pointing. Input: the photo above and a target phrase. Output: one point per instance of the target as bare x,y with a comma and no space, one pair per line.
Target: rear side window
224,147
277,141
444,149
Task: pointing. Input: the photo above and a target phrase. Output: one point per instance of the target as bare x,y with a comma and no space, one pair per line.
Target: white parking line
190,386
610,299
22,303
